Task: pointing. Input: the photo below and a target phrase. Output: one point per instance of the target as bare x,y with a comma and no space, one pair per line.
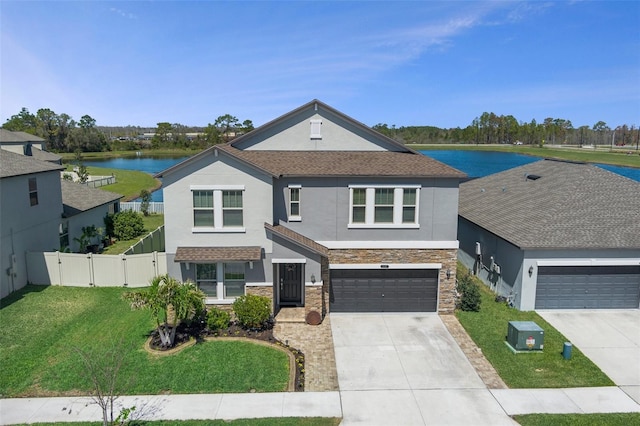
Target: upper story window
294,203
383,206
316,129
218,208
33,192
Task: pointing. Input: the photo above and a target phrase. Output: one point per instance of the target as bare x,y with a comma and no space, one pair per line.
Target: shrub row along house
38,211
315,210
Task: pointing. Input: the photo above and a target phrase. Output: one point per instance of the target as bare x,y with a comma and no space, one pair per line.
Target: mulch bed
186,332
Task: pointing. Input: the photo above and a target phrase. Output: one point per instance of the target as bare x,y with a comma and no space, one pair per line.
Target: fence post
124,268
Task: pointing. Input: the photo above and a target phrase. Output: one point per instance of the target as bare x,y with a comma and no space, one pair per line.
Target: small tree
127,225
101,369
170,301
145,197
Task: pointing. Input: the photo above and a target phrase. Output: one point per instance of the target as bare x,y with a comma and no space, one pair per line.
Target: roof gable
316,126
569,206
12,164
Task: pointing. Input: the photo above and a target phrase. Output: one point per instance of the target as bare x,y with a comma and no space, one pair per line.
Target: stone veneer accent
266,291
313,299
447,257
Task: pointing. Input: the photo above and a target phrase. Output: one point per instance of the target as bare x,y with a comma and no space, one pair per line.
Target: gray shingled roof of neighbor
297,238
77,198
344,163
12,164
570,206
41,155
218,254
20,137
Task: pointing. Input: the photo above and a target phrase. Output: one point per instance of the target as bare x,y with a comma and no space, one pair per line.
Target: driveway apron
407,369
609,338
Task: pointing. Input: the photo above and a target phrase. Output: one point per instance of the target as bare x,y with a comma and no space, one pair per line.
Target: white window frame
292,217
218,222
221,288
398,205
315,129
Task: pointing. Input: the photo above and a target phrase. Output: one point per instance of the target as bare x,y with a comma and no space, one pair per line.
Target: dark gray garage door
384,290
588,287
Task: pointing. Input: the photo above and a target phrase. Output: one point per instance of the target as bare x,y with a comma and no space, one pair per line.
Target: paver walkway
316,342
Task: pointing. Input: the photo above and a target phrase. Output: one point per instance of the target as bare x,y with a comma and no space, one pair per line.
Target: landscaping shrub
127,225
252,311
217,319
145,198
467,288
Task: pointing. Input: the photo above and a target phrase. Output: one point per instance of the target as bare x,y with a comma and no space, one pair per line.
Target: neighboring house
30,213
554,234
83,207
27,144
315,210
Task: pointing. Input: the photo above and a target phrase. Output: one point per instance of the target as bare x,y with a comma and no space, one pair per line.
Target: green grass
42,326
488,329
609,419
280,421
151,223
128,182
616,158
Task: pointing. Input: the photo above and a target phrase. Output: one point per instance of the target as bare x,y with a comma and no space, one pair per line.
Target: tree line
63,134
490,128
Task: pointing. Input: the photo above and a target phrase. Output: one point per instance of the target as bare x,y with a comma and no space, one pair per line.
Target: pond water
473,163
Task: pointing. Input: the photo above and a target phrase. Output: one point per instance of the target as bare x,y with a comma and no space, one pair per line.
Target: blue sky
400,63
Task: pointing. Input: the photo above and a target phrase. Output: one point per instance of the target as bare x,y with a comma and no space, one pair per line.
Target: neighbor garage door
384,290
588,287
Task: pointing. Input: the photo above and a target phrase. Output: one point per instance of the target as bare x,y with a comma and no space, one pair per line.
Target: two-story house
315,209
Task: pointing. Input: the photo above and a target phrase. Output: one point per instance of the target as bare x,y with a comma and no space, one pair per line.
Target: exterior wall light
313,279
530,271
448,273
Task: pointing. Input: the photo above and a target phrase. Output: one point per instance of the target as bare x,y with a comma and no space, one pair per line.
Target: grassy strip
488,329
151,223
129,183
609,419
280,421
616,158
42,325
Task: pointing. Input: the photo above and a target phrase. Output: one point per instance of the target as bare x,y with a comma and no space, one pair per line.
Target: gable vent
316,129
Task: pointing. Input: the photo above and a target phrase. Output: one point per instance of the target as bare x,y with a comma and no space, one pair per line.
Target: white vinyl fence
154,241
154,207
99,270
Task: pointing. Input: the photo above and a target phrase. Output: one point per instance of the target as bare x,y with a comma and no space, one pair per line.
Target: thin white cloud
122,13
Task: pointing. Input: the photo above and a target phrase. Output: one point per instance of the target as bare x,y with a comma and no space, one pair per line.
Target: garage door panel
393,290
590,287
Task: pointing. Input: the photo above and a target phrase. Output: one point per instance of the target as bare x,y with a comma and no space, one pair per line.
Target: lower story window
228,284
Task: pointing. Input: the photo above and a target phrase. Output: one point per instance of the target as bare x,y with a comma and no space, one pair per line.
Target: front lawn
608,419
488,329
43,326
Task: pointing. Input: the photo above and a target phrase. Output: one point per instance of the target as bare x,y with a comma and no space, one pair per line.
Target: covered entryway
588,287
384,290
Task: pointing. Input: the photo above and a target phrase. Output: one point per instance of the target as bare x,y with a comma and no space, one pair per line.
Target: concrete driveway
610,338
407,369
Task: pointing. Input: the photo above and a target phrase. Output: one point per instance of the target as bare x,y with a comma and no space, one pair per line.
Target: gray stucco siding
216,172
325,210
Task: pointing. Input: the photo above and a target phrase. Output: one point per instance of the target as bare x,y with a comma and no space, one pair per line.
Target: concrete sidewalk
313,404
175,407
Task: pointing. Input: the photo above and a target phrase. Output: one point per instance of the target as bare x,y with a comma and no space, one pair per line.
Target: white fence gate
99,270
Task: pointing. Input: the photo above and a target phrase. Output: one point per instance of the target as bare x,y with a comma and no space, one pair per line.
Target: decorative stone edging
291,386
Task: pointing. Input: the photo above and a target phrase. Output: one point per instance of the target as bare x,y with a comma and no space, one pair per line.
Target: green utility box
525,336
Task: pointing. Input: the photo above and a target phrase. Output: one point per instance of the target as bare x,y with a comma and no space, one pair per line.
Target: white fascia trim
216,187
390,244
383,226
589,262
385,266
375,185
310,284
207,229
288,260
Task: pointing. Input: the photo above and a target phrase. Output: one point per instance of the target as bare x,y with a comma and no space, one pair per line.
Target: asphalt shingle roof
77,198
218,254
297,238
344,163
571,206
21,137
12,164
